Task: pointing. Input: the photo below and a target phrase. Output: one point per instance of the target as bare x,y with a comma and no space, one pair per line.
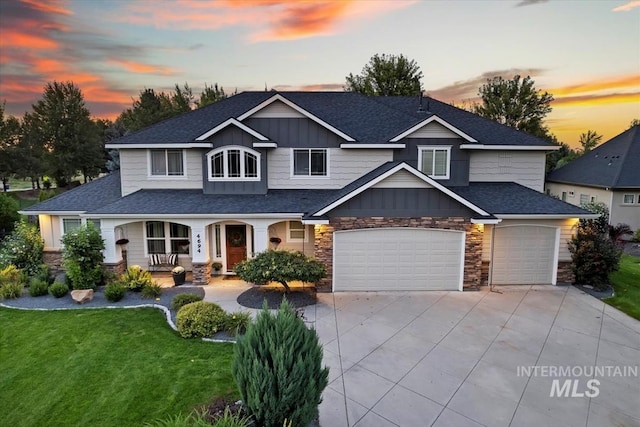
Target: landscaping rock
82,295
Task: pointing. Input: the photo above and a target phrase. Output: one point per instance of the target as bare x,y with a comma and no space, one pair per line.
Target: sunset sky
586,53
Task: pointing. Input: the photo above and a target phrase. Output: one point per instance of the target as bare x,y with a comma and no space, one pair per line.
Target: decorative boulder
82,295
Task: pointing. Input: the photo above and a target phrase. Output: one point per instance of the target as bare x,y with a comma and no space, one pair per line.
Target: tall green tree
31,154
634,122
387,75
211,94
516,103
63,123
589,140
10,132
148,109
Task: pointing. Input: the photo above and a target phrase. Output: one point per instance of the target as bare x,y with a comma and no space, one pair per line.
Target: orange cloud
627,7
616,82
12,38
48,6
597,99
268,20
138,67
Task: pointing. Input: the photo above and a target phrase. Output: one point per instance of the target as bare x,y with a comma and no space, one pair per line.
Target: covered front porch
205,247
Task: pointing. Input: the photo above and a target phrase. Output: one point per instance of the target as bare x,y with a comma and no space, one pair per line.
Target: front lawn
112,367
626,283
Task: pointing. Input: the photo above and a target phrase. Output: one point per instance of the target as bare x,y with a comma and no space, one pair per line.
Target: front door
236,245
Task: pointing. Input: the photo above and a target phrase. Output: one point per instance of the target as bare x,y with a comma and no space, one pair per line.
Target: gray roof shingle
86,197
509,198
367,119
614,164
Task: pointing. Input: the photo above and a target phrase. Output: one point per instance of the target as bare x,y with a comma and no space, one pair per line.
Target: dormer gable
232,122
278,99
433,127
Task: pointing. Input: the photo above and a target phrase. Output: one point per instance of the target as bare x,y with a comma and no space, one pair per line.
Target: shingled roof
367,119
86,197
614,164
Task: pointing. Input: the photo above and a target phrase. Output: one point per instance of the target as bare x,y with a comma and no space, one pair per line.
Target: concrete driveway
475,358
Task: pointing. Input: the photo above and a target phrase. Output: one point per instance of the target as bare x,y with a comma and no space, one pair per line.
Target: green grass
626,283
104,368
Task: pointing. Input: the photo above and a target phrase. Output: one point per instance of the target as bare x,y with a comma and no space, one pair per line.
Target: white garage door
525,255
391,259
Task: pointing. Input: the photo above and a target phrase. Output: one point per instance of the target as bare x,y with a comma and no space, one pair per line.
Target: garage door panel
398,259
524,255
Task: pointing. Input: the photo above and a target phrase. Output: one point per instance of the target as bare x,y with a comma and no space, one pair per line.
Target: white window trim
291,161
167,238
633,201
292,240
422,148
225,160
83,222
150,175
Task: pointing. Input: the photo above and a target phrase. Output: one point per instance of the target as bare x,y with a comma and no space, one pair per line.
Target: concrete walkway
465,358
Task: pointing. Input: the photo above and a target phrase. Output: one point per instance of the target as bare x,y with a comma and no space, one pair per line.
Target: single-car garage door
392,259
525,255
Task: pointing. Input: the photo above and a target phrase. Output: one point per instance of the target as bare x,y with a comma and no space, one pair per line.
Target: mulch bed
254,297
596,293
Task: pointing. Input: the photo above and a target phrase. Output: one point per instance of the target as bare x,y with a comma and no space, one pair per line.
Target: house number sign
199,243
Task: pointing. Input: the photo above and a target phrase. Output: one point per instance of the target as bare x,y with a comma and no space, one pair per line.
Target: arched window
234,163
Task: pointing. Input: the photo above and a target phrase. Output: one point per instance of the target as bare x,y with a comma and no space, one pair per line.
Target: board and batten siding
344,165
524,167
567,229
134,172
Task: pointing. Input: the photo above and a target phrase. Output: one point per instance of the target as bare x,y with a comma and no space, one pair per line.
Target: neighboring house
610,173
391,193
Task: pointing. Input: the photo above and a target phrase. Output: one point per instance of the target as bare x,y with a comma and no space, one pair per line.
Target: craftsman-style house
391,193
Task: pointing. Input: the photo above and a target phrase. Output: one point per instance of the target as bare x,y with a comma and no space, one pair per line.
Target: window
571,194
296,232
95,222
234,163
167,162
593,199
70,224
564,196
628,199
584,199
310,162
434,161
218,241
163,235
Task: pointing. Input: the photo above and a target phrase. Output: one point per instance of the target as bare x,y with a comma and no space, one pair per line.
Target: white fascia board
231,216
438,120
315,221
491,221
179,145
279,97
56,213
387,146
265,145
234,122
406,167
543,216
510,147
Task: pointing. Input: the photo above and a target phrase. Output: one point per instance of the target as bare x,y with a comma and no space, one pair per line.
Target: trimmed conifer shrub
277,366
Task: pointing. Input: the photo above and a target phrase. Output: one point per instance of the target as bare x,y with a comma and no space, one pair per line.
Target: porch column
260,235
113,261
200,265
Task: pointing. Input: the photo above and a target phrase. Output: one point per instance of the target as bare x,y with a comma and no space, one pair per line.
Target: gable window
234,163
296,232
310,162
435,161
629,199
166,162
161,236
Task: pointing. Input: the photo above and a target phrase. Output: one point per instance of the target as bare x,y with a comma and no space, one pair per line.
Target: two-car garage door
386,259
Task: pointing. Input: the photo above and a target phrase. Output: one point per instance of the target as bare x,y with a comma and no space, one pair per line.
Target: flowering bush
82,256
23,248
135,278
